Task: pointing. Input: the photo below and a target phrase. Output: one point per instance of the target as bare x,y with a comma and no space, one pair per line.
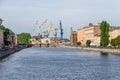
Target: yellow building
114,32
33,41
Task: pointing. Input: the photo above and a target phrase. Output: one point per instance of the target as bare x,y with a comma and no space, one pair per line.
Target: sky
21,15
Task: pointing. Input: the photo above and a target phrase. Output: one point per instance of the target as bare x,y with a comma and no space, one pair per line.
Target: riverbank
106,50
7,52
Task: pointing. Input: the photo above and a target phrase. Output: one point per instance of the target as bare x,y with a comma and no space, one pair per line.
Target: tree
88,43
104,39
1,21
112,42
78,43
1,26
115,41
23,38
118,40
7,32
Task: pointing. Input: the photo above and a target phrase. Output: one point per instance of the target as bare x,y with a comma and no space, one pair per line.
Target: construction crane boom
39,27
50,29
43,23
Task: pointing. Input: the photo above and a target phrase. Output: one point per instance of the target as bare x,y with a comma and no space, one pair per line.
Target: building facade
114,32
90,32
81,36
73,37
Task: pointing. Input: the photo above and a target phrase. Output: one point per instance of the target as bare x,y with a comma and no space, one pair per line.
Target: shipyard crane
54,29
43,23
50,29
39,27
36,26
61,30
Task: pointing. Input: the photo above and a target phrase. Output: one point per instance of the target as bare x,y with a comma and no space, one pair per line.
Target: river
59,64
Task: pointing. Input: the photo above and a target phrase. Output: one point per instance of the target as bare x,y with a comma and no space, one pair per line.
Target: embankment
106,50
7,52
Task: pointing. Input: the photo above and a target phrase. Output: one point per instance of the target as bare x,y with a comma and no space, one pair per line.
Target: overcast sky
20,15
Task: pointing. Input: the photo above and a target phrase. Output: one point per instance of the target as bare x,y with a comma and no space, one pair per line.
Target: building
81,36
1,38
73,37
13,40
114,32
90,32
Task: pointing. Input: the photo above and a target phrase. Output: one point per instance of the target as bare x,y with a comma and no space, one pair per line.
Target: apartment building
81,36
114,32
90,32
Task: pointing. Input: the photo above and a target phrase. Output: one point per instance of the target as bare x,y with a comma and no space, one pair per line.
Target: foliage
1,21
78,43
113,42
23,38
116,41
104,39
1,26
7,32
88,42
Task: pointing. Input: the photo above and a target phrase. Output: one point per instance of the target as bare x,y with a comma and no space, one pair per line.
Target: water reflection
104,53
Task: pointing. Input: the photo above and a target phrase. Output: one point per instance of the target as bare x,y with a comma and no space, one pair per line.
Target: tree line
23,38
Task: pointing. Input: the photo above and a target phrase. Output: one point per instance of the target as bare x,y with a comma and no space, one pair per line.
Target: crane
39,27
35,26
43,23
50,29
61,30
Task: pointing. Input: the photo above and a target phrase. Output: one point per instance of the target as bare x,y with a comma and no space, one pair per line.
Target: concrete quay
106,50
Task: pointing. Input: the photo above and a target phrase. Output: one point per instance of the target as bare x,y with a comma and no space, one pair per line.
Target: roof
74,32
114,28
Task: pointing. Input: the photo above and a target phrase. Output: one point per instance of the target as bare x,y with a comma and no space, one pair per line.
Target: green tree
88,42
115,41
1,21
78,43
112,42
7,32
104,39
118,40
23,38
1,26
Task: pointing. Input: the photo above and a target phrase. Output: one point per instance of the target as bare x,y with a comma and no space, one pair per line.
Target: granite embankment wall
10,51
107,50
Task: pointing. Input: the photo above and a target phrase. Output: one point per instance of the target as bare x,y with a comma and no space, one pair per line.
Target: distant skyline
20,15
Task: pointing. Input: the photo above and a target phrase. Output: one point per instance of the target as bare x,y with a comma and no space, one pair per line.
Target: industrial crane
61,30
39,27
50,29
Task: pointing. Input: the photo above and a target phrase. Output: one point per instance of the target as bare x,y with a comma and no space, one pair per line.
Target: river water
59,64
